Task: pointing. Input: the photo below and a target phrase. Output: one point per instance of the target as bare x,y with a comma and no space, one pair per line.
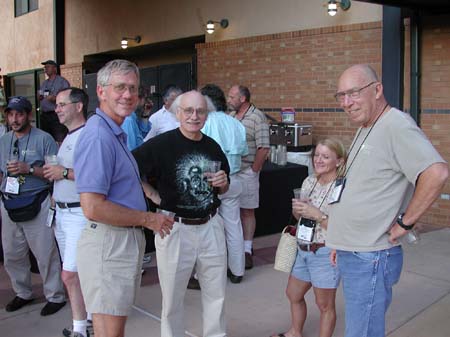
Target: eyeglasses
353,93
190,111
121,88
63,104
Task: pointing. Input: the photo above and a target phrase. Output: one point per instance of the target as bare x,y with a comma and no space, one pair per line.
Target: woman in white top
312,267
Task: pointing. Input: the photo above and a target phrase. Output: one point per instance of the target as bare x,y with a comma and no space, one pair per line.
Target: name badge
337,191
50,217
12,185
305,233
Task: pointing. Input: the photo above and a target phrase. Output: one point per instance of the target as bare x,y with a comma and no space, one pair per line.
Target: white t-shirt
65,190
161,121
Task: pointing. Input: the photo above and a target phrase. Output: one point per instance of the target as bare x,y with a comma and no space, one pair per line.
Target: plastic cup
165,212
411,237
13,158
51,159
213,166
301,194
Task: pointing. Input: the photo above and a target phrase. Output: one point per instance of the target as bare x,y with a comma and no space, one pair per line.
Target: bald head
360,94
191,111
362,72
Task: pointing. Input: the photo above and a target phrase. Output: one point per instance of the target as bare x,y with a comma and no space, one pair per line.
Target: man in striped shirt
257,136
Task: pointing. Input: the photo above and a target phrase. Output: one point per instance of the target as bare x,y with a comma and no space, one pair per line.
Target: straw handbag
286,250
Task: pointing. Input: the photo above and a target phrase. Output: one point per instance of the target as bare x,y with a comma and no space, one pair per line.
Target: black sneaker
233,278
248,261
51,307
67,332
17,303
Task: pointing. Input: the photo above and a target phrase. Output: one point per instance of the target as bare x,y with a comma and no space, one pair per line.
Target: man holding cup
393,176
111,246
25,207
179,161
71,107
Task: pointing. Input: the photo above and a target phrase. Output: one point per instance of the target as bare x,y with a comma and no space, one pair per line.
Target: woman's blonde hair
337,147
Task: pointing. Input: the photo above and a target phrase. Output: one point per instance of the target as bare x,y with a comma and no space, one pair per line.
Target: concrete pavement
258,307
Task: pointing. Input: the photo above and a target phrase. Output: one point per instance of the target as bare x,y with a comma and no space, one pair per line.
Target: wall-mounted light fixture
124,42
210,25
333,6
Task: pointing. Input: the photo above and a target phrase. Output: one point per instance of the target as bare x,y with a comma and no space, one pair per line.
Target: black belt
195,221
68,204
312,247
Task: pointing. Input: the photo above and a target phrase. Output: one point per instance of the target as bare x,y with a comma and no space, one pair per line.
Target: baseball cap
53,63
19,103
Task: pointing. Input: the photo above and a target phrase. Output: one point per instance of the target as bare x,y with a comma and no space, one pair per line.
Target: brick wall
300,69
295,69
73,73
435,100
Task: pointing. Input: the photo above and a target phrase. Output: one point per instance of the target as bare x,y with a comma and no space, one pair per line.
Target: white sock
80,326
248,246
89,316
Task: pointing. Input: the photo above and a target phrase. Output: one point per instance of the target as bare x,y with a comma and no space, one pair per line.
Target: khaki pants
18,238
186,246
109,261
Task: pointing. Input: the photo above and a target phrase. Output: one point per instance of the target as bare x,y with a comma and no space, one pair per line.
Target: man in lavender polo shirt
111,247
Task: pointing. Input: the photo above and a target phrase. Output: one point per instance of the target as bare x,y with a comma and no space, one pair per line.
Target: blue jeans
367,279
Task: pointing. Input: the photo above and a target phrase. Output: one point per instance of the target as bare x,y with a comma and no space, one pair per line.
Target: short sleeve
93,165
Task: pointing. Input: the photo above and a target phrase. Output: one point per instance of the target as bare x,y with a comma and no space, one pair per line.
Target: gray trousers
17,239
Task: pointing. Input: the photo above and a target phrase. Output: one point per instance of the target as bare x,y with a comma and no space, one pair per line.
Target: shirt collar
117,130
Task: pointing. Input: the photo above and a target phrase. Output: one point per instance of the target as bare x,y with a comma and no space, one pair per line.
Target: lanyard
325,196
362,143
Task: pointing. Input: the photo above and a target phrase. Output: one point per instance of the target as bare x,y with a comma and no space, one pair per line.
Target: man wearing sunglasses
393,175
25,208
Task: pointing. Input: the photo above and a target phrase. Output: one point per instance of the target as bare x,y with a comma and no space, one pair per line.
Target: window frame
28,8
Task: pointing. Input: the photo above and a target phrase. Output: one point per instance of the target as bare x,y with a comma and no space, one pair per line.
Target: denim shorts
367,279
316,268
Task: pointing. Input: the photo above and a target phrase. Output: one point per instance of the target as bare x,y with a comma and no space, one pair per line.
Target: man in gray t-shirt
47,96
22,152
393,176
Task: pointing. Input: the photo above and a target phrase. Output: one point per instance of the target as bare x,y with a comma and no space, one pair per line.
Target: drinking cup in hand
51,160
165,212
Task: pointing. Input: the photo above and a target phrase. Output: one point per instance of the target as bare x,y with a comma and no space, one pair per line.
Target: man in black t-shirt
178,162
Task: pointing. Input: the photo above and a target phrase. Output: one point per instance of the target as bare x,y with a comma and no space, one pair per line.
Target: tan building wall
28,39
97,26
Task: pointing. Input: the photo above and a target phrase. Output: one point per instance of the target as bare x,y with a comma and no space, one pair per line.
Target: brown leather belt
195,221
312,247
68,204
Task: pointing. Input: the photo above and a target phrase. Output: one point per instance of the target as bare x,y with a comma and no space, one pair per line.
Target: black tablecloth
275,196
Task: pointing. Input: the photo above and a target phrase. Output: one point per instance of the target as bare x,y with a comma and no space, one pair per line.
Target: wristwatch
65,173
31,170
401,223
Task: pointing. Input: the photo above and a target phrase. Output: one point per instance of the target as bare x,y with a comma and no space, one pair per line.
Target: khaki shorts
249,198
109,261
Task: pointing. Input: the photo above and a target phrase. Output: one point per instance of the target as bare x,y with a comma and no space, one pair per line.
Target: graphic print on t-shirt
195,192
